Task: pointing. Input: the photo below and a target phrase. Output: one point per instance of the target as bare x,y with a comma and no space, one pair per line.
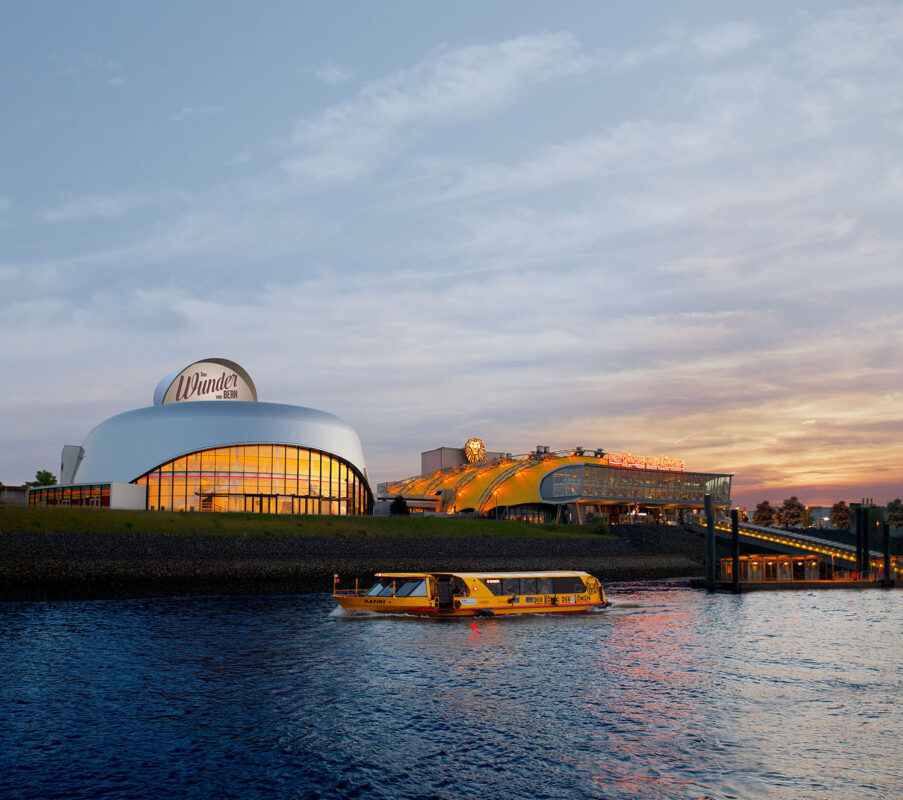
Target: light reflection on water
669,693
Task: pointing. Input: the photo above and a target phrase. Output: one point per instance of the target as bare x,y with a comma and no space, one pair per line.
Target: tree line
793,512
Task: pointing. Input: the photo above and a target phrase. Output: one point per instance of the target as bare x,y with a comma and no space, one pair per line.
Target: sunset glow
673,234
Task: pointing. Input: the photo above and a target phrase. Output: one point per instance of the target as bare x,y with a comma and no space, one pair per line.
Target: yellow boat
475,594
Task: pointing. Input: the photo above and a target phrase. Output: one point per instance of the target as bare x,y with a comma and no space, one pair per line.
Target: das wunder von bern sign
210,379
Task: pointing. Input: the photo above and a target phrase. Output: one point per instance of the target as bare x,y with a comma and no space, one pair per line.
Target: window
566,482
495,586
221,458
511,586
568,585
246,472
412,588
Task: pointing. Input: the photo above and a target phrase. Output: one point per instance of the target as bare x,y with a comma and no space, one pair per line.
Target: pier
799,560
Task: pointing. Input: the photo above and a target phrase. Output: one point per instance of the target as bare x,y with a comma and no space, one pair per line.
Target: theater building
208,444
567,485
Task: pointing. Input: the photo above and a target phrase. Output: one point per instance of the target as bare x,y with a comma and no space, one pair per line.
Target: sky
664,228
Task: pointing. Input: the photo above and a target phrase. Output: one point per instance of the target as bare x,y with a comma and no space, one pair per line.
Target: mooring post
735,541
709,544
858,521
866,560
888,574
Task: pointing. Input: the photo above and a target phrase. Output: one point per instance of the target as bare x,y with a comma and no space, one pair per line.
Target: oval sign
210,379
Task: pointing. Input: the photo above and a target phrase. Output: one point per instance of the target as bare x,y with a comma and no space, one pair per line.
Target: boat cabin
475,593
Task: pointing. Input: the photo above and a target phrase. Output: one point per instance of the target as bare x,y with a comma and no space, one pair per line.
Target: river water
670,693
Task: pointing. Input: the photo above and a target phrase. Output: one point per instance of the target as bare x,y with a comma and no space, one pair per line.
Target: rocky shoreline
50,566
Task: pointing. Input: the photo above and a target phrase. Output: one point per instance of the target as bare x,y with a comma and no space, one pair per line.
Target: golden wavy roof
487,484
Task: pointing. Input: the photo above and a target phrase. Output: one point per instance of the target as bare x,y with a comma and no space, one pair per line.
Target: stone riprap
46,565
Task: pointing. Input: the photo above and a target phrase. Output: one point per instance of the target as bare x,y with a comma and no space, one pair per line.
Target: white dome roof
125,447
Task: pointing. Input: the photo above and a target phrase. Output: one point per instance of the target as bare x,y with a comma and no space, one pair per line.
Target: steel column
735,541
866,561
709,544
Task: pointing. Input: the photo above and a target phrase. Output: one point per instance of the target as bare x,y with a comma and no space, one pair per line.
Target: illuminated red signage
627,459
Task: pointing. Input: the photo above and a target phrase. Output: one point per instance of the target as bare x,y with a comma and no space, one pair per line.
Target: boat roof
558,573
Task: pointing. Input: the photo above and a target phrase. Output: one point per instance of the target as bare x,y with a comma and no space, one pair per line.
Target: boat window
528,585
410,588
493,584
544,585
511,586
569,584
388,589
375,589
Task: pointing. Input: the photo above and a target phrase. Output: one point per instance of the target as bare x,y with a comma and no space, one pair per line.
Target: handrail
812,543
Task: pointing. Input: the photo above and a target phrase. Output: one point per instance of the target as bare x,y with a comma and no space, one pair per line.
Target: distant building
820,517
13,495
543,486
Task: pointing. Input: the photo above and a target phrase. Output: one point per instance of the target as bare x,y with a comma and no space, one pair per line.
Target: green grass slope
17,519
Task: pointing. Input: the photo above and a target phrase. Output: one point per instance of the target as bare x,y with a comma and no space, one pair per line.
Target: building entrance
260,503
212,502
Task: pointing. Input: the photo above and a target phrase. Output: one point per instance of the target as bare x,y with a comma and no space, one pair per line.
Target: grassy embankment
110,521
54,553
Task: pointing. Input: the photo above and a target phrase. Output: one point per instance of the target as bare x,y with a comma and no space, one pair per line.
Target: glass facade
258,478
613,484
532,513
96,495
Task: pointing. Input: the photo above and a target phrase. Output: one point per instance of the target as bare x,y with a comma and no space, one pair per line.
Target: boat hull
421,609
475,594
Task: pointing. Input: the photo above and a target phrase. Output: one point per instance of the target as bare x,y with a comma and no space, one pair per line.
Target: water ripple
670,693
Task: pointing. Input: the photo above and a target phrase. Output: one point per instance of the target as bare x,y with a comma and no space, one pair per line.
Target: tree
895,513
601,526
764,514
43,477
399,506
840,515
793,512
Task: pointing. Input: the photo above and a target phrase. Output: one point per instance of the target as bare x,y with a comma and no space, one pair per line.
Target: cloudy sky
667,228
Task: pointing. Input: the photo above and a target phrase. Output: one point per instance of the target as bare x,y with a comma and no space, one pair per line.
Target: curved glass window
621,484
257,478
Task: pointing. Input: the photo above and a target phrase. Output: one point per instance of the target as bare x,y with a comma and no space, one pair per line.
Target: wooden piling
866,560
735,542
709,544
